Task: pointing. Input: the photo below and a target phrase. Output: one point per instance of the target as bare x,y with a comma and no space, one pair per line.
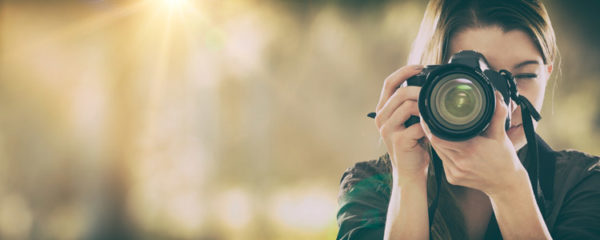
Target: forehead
503,50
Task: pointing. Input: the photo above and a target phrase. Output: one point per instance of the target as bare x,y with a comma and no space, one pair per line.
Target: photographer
503,182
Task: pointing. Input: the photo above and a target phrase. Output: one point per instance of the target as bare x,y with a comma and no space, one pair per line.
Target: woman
486,192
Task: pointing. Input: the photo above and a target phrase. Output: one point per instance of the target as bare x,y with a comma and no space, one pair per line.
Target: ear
549,68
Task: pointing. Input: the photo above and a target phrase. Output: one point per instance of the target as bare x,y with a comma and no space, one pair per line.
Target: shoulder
374,174
568,167
573,166
578,159
577,177
363,200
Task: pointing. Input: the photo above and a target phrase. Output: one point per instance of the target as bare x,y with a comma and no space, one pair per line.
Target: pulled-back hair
444,19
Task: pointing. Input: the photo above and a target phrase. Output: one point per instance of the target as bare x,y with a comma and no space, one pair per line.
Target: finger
450,146
400,115
399,97
394,80
425,128
408,138
414,132
497,125
449,167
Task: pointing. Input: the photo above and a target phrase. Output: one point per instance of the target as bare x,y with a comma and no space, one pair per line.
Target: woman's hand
488,163
407,210
408,157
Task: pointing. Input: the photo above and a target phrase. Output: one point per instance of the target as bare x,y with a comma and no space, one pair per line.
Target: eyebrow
526,63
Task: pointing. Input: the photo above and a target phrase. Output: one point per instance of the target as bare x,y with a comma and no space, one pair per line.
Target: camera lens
460,101
457,101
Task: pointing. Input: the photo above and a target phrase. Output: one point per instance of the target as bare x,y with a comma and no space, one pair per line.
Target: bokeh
218,119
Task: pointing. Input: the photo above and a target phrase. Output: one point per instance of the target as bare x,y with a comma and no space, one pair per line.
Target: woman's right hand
408,156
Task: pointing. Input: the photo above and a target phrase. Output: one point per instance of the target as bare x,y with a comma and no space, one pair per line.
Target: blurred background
217,119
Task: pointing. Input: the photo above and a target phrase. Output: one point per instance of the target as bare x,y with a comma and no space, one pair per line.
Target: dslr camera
457,99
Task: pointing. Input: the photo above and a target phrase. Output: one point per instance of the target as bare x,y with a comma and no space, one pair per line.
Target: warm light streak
78,29
174,3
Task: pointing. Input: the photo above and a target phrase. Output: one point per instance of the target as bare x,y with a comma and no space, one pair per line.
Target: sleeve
363,203
579,218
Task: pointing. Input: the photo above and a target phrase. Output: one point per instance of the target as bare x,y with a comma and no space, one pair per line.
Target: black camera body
457,99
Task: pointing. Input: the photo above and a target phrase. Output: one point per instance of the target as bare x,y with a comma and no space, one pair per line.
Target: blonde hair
442,20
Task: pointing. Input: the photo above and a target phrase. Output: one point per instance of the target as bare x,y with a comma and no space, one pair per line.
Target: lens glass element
460,100
457,101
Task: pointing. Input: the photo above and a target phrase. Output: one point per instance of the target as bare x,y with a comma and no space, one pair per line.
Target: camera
457,99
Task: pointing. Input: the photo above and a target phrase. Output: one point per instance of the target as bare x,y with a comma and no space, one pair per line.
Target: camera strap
438,170
528,112
533,166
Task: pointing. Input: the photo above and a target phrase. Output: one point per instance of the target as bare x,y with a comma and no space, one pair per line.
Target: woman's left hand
488,162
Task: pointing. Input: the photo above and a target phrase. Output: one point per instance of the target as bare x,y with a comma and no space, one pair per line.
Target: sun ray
163,52
80,28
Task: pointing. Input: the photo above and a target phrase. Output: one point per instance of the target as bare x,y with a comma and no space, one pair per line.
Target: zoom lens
457,101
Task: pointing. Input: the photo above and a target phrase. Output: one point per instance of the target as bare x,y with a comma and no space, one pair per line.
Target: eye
525,79
525,76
